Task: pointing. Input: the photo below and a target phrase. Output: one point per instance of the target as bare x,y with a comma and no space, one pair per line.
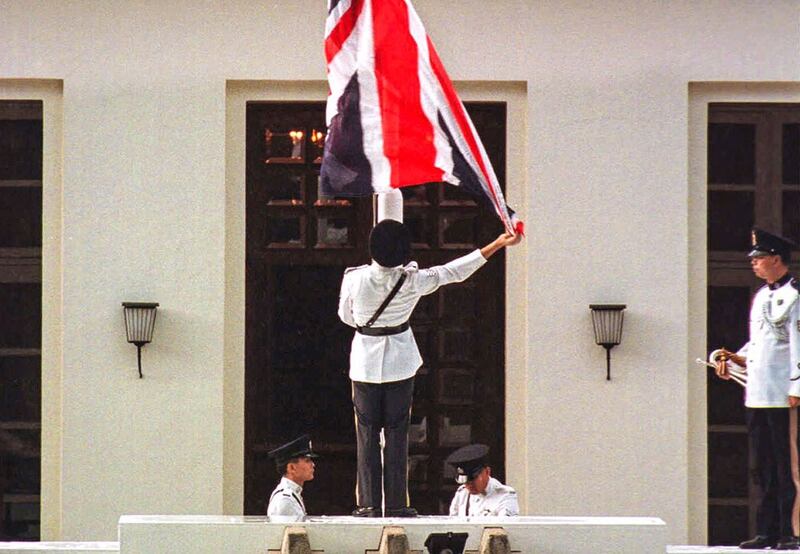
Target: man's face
301,470
766,267
478,485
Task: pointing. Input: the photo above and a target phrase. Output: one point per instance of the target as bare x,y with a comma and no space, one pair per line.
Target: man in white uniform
772,360
295,463
480,494
384,357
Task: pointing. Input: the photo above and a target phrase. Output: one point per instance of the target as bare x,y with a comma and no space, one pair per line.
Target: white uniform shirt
794,343
497,500
773,350
286,502
393,357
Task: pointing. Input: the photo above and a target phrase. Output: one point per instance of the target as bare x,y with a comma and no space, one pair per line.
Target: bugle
737,372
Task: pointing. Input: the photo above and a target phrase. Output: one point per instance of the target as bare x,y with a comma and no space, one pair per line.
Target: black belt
383,331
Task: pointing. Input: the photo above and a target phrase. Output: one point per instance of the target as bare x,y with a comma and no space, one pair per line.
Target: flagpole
387,205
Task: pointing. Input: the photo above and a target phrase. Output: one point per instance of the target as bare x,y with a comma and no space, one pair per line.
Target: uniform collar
490,486
378,268
291,485
780,282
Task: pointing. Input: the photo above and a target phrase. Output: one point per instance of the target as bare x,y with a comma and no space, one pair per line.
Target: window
20,326
753,180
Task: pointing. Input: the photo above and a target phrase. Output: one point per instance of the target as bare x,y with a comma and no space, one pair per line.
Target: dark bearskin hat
390,243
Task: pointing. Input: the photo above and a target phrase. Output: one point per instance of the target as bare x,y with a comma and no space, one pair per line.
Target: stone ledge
713,550
348,535
73,547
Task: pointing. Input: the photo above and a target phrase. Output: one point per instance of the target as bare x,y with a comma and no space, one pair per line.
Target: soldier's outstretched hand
505,239
510,240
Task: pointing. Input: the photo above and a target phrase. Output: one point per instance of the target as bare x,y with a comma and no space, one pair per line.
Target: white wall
607,212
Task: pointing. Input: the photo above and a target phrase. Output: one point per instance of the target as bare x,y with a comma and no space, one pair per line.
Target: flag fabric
394,118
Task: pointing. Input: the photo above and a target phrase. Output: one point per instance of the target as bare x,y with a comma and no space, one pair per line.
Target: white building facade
143,199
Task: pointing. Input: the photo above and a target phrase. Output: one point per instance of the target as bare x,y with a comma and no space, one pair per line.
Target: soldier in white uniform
384,357
295,464
480,494
772,360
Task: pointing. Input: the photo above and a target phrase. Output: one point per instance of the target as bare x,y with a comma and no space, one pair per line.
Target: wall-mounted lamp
140,319
607,323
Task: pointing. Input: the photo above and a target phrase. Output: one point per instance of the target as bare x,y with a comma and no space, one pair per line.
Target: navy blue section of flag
345,169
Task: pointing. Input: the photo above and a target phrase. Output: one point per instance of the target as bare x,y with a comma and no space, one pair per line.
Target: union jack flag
394,118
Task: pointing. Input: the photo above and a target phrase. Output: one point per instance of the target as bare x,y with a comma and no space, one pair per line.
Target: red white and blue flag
394,118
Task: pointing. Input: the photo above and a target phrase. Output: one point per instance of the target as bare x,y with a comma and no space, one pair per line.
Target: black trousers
771,435
387,407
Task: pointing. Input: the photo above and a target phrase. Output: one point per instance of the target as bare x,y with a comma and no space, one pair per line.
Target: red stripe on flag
460,114
407,132
340,33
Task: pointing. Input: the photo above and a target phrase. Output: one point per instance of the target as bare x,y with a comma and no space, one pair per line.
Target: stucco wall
605,154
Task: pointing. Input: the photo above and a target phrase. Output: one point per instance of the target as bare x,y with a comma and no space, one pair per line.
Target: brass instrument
737,372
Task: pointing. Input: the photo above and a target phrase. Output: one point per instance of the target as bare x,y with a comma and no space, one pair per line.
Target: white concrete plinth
71,547
346,535
714,550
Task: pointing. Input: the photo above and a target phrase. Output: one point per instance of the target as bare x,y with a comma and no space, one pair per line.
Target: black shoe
788,543
758,542
401,512
367,511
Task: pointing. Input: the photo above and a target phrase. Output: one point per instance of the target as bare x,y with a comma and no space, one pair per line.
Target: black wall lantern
607,323
140,319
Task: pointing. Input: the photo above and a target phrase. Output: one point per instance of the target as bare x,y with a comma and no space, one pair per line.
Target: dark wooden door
753,179
298,246
20,317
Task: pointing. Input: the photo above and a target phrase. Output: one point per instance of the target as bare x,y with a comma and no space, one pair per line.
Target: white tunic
773,351
393,357
497,500
286,502
794,343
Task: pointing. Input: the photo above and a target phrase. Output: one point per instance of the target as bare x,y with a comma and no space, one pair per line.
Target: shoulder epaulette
506,489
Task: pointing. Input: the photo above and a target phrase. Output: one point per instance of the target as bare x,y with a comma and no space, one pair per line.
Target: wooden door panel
297,350
21,147
753,160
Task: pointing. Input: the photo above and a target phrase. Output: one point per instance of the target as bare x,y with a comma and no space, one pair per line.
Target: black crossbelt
367,328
